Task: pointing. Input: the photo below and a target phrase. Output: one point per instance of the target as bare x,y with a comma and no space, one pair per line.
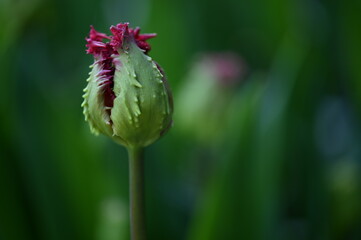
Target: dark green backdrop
286,161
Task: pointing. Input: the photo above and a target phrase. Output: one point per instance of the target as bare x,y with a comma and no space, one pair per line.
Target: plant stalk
136,193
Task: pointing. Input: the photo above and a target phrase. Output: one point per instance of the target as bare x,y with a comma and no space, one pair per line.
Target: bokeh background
271,151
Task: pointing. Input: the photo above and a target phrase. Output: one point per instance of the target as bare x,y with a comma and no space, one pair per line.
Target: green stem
136,192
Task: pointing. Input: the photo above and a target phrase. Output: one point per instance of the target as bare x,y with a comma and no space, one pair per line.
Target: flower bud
127,97
205,96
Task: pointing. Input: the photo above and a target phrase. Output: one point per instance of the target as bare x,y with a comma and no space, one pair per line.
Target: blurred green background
274,156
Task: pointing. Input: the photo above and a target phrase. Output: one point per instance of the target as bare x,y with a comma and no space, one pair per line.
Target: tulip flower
206,93
128,99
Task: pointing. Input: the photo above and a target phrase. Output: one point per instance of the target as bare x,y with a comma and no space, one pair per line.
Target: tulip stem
136,193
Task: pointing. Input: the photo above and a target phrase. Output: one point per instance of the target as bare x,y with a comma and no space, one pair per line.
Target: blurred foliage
282,161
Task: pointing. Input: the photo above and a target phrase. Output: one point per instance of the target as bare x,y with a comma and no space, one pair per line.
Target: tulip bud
205,96
127,97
